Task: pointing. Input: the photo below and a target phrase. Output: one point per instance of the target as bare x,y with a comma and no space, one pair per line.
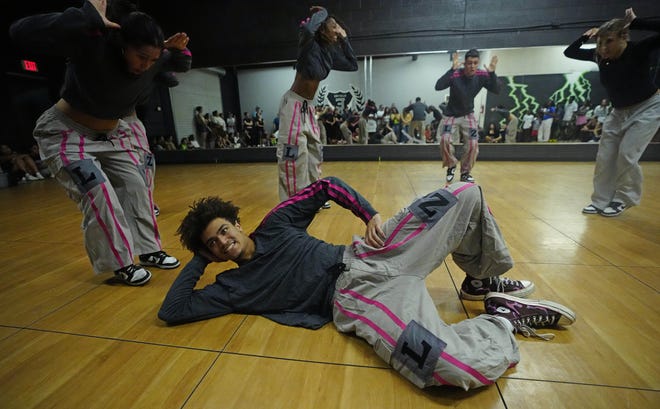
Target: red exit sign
29,66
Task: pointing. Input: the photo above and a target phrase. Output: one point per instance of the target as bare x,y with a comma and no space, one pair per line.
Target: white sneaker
133,275
30,177
591,209
614,209
159,259
40,176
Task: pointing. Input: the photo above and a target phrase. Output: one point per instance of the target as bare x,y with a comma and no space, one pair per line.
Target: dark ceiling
235,33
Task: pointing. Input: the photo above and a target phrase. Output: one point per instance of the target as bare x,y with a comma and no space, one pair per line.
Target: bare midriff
86,120
306,88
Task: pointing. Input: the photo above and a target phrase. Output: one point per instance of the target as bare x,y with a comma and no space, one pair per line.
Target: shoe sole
161,266
522,293
142,282
611,214
590,211
567,315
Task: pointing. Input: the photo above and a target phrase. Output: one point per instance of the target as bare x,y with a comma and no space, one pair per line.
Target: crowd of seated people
22,167
416,123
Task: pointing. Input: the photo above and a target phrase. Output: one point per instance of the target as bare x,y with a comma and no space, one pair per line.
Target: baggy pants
382,296
467,126
140,143
626,134
103,174
299,147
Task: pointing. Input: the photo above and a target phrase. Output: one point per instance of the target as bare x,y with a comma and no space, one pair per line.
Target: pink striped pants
382,296
299,147
104,175
469,132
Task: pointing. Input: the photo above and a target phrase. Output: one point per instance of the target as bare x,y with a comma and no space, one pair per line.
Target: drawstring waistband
303,110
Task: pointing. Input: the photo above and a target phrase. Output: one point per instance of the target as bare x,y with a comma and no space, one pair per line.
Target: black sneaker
474,289
450,173
133,275
466,177
525,315
156,211
159,259
614,209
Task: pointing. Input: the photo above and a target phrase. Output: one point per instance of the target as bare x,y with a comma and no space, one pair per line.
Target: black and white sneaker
474,289
133,275
526,315
159,259
326,205
591,209
466,177
614,209
156,211
450,173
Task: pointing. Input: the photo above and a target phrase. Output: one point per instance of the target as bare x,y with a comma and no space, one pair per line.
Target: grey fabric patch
433,206
290,152
418,350
85,174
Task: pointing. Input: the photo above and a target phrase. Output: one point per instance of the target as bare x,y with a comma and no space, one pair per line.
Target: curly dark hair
201,213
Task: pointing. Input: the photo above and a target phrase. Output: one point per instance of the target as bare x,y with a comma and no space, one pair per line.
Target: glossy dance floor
69,340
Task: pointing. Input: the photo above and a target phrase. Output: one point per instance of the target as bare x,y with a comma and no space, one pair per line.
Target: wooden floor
69,340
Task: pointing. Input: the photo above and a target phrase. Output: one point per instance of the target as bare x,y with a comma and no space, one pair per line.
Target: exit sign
29,66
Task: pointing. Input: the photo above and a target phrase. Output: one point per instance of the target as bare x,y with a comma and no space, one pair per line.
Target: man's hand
374,235
209,256
455,64
100,6
493,64
629,16
178,41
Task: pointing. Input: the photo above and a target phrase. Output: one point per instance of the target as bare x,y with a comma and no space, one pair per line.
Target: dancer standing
83,138
464,84
625,73
323,46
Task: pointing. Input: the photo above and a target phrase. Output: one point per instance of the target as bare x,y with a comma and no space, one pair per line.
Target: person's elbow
167,316
171,315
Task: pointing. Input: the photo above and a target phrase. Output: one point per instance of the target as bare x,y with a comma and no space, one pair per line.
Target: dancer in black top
323,46
625,73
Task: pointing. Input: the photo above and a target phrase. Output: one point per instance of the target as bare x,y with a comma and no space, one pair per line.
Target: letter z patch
433,206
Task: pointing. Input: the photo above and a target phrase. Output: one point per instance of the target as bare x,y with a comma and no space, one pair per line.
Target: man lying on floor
374,286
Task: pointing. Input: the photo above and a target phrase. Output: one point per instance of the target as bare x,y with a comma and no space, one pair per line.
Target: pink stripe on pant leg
151,202
462,188
395,245
383,334
397,321
105,230
97,213
398,228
